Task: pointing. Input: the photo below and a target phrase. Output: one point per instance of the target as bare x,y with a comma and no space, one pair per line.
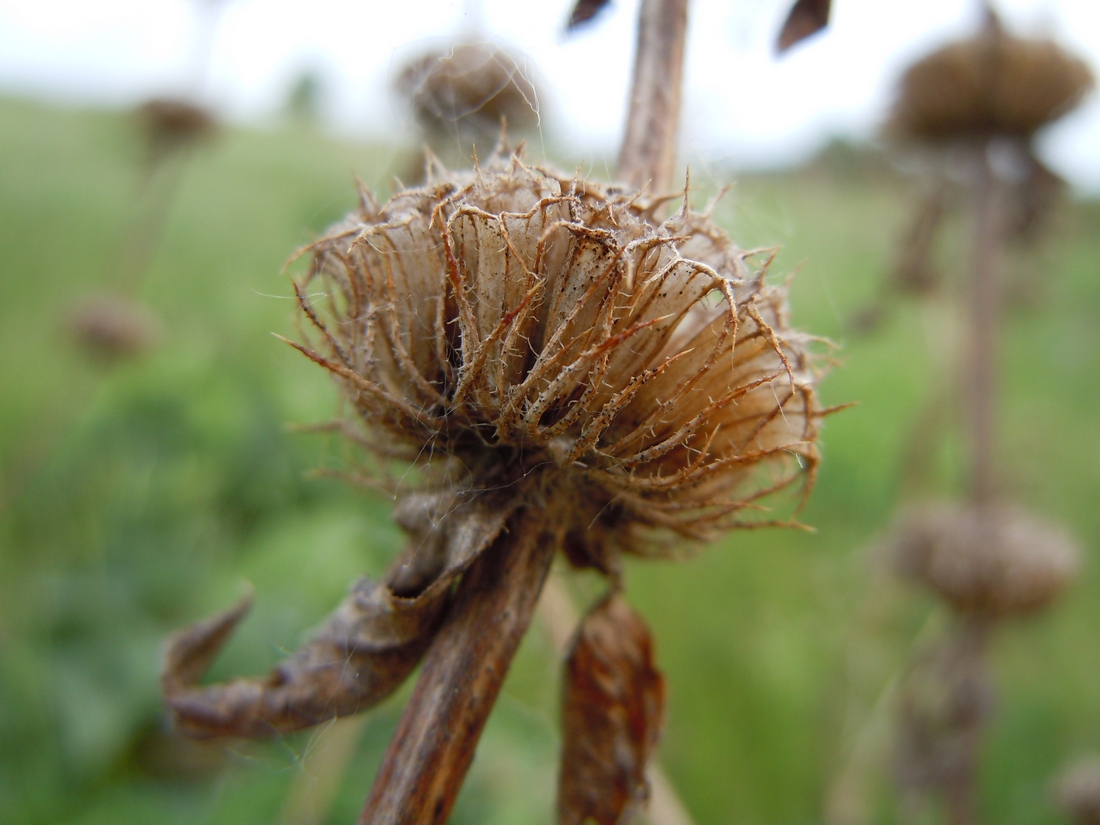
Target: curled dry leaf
806,19
612,716
362,652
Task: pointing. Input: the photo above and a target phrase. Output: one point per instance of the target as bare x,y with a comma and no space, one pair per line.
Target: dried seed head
169,123
517,327
1078,791
989,84
469,90
112,327
995,560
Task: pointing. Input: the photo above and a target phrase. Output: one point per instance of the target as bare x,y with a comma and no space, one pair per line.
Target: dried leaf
363,651
612,717
584,11
806,19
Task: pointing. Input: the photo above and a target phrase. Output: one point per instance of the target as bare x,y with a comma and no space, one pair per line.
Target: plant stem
984,318
649,145
434,743
971,706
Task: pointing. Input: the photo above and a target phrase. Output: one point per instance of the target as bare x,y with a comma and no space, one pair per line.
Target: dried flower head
169,123
1078,791
113,327
517,327
469,90
989,84
995,560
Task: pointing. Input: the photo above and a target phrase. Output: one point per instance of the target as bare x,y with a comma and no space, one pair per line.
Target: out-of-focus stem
322,771
433,746
649,144
560,618
985,300
971,645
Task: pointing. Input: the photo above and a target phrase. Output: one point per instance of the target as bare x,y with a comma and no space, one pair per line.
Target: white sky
741,104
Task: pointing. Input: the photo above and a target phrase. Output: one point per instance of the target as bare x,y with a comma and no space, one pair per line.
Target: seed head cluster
989,84
994,560
515,326
467,91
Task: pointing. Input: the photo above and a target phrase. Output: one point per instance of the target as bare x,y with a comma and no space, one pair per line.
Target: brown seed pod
989,84
519,327
170,123
469,90
995,560
112,327
1078,791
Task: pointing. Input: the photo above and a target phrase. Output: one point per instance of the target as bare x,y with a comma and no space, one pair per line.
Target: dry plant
463,94
170,124
988,563
987,94
987,559
562,370
983,96
112,327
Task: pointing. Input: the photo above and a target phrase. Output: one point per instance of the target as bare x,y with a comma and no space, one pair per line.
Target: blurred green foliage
137,497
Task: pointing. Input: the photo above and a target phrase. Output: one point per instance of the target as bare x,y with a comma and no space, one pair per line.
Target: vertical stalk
433,746
985,300
971,710
648,152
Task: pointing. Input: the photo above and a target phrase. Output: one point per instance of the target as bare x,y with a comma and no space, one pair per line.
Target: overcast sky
741,103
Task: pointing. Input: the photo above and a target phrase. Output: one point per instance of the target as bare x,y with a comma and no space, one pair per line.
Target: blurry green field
137,498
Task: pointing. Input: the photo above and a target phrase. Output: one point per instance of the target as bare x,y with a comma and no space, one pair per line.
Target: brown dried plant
169,124
996,561
556,363
552,367
466,91
993,83
519,327
989,562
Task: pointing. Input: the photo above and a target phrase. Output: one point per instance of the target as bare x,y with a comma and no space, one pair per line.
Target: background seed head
515,326
989,84
467,91
996,560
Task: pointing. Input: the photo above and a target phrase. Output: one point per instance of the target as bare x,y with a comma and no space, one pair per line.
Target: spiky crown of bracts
519,327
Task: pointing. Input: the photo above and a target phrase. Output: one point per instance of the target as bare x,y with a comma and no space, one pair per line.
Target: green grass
137,498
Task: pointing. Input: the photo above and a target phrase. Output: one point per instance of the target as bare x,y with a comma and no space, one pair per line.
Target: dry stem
985,311
434,744
649,145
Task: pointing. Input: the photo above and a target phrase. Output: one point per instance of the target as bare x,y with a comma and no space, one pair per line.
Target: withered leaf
613,711
807,18
584,11
361,653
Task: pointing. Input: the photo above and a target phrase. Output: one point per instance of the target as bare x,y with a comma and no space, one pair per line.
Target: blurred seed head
112,327
990,84
468,91
1077,791
995,560
515,326
171,123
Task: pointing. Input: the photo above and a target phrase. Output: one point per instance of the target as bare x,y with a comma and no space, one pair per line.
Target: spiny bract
514,326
